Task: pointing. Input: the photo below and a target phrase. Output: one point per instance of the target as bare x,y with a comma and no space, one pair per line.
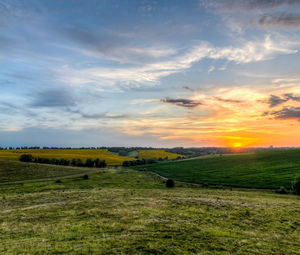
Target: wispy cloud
54,97
247,5
276,100
153,71
183,102
280,19
287,113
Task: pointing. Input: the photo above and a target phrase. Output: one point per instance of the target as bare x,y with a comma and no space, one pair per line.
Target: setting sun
237,145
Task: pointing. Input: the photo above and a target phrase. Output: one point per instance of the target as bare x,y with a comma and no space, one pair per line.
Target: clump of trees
26,158
64,162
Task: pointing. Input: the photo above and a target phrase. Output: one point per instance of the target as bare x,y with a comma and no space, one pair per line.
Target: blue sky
149,73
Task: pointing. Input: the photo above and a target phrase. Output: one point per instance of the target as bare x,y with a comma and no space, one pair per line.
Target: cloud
103,116
276,100
113,46
247,5
287,113
254,51
292,97
282,19
181,102
188,88
150,72
55,97
228,100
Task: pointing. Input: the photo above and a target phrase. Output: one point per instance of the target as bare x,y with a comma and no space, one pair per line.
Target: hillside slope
11,171
258,170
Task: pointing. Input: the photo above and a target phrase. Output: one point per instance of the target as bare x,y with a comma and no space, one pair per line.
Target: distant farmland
83,154
148,154
257,170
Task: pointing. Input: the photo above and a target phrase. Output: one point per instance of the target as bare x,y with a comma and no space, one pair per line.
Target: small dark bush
296,185
26,158
58,181
85,177
282,190
170,183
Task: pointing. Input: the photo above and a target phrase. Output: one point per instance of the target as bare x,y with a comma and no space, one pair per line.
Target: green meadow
47,209
123,211
268,170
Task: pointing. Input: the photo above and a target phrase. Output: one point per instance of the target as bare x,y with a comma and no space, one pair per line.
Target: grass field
11,171
128,212
83,154
149,154
258,170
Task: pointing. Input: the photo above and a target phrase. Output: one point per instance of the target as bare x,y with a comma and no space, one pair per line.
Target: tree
89,163
26,158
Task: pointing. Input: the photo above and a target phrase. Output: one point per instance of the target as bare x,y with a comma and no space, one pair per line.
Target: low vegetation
272,169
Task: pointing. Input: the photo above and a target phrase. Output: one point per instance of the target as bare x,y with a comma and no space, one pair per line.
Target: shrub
282,190
58,181
296,185
26,158
170,183
85,177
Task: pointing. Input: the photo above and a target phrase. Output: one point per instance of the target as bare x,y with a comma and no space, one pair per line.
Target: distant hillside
11,171
257,170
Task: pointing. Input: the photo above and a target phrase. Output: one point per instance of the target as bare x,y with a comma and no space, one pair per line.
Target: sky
194,73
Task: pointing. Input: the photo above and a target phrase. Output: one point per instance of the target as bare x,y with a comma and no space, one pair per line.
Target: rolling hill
258,170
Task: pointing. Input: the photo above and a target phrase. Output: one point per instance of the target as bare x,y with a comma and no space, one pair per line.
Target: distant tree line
64,162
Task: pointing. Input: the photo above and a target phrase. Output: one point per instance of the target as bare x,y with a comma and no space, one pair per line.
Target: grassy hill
11,171
129,212
258,170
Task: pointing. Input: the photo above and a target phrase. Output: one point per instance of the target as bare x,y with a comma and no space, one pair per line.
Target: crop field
83,154
149,154
259,170
122,211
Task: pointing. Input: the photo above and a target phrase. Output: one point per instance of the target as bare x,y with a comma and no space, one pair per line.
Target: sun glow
240,141
237,145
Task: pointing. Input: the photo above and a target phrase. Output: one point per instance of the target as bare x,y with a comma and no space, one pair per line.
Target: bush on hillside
282,190
26,158
170,183
296,185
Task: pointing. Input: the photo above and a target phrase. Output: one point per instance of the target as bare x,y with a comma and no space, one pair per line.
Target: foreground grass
257,170
129,212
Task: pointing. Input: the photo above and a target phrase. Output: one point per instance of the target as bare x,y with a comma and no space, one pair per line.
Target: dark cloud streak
281,19
181,102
